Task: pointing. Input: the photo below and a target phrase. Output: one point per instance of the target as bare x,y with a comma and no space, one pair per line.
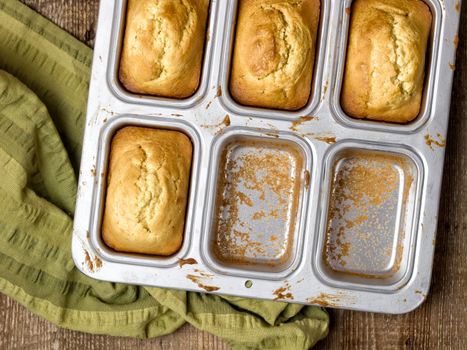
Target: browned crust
368,23
184,60
147,191
254,48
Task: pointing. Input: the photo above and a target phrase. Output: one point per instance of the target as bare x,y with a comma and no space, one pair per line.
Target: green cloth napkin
41,130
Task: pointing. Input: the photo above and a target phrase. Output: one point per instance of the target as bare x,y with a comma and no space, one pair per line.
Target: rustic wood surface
440,323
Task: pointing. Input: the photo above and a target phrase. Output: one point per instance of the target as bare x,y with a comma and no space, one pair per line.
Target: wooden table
440,323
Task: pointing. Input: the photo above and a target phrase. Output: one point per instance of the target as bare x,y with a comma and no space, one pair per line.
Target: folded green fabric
41,129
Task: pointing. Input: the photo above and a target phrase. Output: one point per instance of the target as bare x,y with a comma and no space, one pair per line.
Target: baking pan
348,220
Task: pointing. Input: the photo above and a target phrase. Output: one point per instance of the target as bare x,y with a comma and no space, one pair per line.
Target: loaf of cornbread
147,191
385,66
163,46
274,53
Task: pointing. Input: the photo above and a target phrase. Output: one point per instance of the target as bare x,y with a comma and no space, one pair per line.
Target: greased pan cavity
317,246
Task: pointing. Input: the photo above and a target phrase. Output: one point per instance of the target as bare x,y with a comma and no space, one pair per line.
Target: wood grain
440,323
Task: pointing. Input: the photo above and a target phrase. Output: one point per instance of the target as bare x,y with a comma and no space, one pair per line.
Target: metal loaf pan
301,255
254,228
104,144
369,226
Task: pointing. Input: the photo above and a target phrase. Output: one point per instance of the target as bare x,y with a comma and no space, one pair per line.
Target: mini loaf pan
105,139
116,43
345,13
316,85
368,223
256,203
294,239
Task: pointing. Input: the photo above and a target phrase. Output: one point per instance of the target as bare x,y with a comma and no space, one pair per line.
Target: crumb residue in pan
430,141
204,274
283,293
456,41
257,201
327,139
219,91
92,265
108,110
271,127
325,89
219,127
307,179
325,300
189,261
88,261
258,215
198,280
420,293
363,210
97,263
93,171
273,134
226,120
300,121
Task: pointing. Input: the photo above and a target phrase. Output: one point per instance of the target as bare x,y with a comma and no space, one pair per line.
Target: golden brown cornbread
147,191
163,46
385,66
274,53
